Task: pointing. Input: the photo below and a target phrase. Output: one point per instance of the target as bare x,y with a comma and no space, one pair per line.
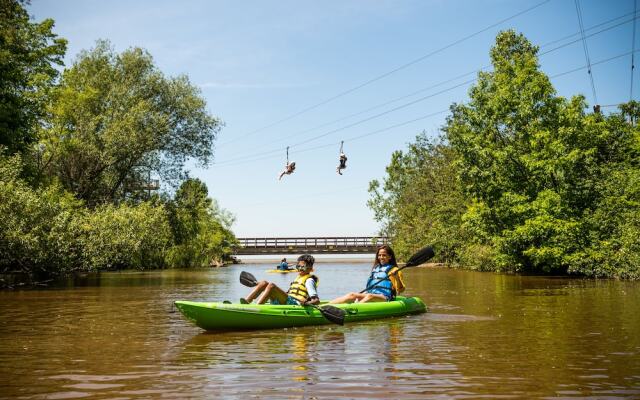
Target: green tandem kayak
224,316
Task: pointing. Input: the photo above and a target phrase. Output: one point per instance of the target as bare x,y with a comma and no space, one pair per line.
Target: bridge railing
312,242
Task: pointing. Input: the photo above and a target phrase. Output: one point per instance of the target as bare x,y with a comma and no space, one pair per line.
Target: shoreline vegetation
82,155
93,177
521,180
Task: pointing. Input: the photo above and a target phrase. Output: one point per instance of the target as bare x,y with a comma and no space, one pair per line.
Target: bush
115,237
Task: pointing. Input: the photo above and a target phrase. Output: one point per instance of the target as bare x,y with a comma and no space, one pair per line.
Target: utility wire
380,105
363,120
279,150
457,77
588,29
586,51
384,75
441,83
264,156
633,48
588,36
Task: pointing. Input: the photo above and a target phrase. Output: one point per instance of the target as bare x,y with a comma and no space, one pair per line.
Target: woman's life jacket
380,283
298,289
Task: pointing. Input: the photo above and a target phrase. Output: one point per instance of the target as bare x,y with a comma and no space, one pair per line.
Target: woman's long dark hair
390,252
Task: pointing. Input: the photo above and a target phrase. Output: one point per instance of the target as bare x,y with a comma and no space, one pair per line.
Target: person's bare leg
371,297
256,291
347,298
272,291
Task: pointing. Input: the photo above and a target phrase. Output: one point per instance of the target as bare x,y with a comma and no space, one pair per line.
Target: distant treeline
521,179
78,150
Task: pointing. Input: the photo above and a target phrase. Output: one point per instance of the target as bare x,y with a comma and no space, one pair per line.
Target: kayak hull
221,316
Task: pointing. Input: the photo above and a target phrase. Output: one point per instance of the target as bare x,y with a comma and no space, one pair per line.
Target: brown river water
118,336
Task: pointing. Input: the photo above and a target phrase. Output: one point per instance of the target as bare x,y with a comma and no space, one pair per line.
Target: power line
460,76
264,156
595,63
446,81
590,35
586,51
365,119
587,30
379,105
384,75
279,150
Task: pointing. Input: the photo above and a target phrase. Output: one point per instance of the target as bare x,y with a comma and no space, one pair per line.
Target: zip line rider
343,160
289,167
343,163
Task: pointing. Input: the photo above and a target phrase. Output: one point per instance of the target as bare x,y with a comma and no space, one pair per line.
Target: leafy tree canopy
116,119
540,185
29,52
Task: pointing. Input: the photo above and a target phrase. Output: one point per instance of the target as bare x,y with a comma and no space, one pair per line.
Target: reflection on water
117,336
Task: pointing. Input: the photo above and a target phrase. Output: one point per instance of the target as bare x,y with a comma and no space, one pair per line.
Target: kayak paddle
420,257
331,313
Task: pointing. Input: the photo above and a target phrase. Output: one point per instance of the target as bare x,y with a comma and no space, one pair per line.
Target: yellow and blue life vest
298,290
381,282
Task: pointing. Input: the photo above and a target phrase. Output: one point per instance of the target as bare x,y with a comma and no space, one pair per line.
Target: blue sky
267,69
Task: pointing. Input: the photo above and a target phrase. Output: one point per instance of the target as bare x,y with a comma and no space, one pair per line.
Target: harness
298,290
384,286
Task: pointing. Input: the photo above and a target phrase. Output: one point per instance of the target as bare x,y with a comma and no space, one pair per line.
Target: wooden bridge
310,245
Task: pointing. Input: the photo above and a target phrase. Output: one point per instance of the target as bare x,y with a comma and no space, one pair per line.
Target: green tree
421,201
29,53
37,235
201,230
529,181
116,118
532,162
124,236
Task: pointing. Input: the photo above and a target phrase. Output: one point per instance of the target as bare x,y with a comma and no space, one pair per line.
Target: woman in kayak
302,290
384,282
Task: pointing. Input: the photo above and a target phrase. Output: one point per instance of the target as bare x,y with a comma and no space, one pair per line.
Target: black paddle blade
333,314
247,279
422,256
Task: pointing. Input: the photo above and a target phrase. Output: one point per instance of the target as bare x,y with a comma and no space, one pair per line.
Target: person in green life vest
302,291
385,280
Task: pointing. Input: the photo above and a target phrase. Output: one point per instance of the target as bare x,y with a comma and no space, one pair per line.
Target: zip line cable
384,75
633,48
385,112
460,76
411,103
586,51
590,35
265,156
377,106
596,63
588,29
278,150
362,120
455,78
345,140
